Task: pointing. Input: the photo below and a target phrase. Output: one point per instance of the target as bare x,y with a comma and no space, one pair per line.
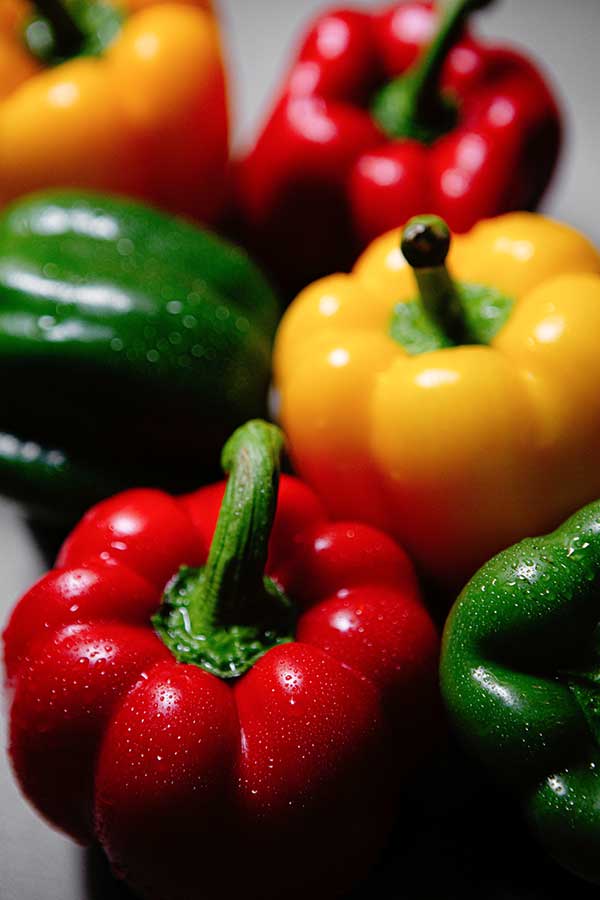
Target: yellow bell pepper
147,117
486,432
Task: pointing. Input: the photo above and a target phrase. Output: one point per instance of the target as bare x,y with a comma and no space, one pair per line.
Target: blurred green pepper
131,344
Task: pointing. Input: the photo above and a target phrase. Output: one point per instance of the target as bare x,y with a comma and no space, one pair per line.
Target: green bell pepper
131,344
520,676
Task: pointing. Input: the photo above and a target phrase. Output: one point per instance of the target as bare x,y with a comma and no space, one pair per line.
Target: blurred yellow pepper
147,117
459,413
16,64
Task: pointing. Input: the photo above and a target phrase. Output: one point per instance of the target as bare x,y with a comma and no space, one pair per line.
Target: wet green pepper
521,679
131,344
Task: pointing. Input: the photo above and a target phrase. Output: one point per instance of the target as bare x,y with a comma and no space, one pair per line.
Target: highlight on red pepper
382,116
264,707
123,97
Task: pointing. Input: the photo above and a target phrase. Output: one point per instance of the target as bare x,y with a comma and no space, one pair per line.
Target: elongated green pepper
131,344
521,679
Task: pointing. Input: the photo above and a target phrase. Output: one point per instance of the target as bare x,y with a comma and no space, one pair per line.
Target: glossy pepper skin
520,677
325,176
133,342
179,772
464,449
148,118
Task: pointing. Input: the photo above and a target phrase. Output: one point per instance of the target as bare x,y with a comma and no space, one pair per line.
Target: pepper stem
426,76
227,615
68,37
412,105
234,572
425,245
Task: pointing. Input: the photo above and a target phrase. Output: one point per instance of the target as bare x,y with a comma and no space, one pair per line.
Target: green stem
68,37
412,106
425,245
425,77
233,577
226,615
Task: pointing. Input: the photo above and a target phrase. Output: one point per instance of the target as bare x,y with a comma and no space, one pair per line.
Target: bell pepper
384,115
133,344
126,100
264,721
458,408
521,680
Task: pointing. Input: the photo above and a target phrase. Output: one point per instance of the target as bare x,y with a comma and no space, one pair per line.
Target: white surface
36,863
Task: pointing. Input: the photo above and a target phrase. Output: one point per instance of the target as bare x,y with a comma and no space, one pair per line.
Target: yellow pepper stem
68,36
425,245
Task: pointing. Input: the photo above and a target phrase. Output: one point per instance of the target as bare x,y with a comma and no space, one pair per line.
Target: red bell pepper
217,754
372,128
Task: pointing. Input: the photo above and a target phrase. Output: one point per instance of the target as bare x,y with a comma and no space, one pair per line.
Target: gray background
36,863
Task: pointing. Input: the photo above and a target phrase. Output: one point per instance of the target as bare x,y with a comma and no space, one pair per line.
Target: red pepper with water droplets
246,722
386,115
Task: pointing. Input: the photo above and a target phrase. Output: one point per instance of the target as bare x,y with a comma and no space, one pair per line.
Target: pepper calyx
59,30
446,313
228,651
394,111
486,311
226,615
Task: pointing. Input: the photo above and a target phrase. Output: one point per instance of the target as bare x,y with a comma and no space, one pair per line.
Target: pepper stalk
228,614
60,30
413,106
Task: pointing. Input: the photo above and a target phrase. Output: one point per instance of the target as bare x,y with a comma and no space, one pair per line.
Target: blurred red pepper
196,788
372,129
